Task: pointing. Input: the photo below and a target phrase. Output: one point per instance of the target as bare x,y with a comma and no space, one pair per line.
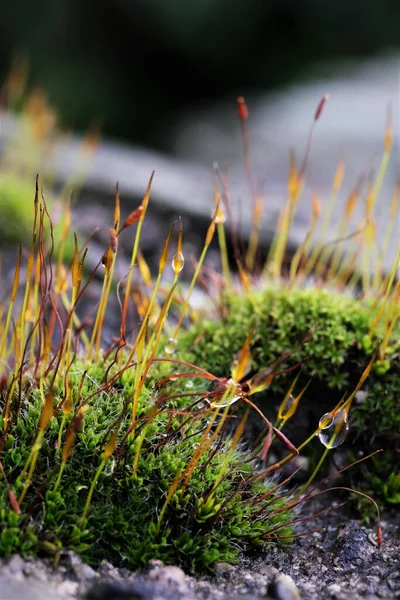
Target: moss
114,453
123,521
335,357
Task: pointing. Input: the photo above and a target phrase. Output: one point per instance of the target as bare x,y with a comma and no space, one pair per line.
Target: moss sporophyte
173,440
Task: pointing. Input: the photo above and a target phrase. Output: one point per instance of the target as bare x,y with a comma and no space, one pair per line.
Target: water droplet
173,377
221,217
177,262
189,384
333,429
171,345
223,392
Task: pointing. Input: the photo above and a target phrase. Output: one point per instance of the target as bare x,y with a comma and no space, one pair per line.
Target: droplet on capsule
221,217
333,428
171,345
223,393
177,262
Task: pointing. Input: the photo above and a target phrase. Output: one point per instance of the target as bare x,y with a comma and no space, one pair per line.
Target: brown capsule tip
379,536
113,240
133,217
242,109
292,448
14,502
320,106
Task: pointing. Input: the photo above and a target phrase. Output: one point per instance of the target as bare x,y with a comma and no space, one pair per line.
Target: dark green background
130,66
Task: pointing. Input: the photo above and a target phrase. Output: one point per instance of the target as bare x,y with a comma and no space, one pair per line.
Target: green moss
335,357
122,523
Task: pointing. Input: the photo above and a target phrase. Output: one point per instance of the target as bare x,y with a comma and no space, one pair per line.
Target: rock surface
341,562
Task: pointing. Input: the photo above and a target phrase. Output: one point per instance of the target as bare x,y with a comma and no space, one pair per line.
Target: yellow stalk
278,247
209,237
76,279
379,275
143,368
396,313
108,272
301,250
144,205
91,490
368,255
60,474
313,474
224,255
7,406
143,327
75,319
188,470
34,310
319,254
255,233
220,220
371,200
385,299
108,450
140,338
31,463
235,440
247,286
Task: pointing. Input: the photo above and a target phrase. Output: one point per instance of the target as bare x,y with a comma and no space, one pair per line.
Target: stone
10,589
353,547
284,588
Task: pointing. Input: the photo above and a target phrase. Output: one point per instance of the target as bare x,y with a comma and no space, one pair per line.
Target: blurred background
160,80
132,66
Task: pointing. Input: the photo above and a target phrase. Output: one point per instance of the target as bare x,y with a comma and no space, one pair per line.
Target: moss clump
123,523
334,358
109,451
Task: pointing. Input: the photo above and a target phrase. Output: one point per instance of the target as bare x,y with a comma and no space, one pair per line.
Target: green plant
138,449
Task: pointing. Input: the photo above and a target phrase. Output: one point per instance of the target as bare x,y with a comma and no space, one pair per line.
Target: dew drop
177,262
333,429
171,345
221,217
173,377
223,396
189,384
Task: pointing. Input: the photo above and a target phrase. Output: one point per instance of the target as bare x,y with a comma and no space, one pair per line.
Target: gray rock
353,547
18,590
284,588
132,590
